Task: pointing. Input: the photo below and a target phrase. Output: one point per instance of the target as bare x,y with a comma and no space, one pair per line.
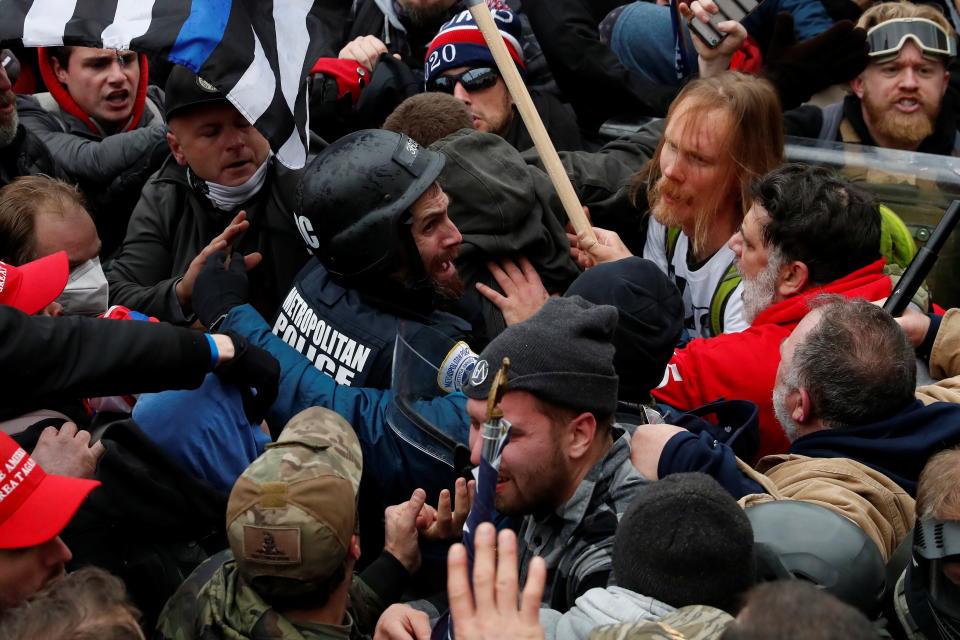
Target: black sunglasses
475,79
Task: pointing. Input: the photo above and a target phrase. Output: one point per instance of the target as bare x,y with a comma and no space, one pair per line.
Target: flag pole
521,97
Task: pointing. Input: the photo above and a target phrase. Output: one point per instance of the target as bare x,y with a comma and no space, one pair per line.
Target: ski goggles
476,79
887,38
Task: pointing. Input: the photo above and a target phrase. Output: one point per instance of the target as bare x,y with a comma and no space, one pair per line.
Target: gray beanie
563,355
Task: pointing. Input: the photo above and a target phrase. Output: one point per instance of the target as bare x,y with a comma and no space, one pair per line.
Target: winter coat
399,455
502,207
215,602
599,607
603,179
744,365
576,539
57,359
26,156
174,221
110,168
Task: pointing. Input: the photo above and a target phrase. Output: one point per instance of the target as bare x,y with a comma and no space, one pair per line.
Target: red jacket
744,365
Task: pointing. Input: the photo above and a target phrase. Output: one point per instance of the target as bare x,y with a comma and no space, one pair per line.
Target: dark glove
256,372
800,69
220,288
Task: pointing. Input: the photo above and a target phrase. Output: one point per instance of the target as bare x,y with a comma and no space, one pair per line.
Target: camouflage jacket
576,540
214,604
696,622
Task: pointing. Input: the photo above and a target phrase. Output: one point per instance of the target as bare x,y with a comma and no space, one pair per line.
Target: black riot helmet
355,195
797,539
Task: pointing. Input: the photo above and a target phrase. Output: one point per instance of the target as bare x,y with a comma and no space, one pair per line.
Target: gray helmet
355,194
797,539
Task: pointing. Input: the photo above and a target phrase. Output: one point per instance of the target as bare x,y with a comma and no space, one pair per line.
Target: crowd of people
224,377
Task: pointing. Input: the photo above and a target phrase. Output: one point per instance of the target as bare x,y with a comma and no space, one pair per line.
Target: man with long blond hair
722,132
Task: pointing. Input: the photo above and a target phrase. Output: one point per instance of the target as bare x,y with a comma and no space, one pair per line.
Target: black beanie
563,355
651,319
684,540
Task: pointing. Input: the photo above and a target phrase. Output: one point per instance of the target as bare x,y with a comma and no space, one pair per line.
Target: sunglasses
472,80
887,38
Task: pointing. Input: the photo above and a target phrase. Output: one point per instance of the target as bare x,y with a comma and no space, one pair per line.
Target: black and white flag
257,52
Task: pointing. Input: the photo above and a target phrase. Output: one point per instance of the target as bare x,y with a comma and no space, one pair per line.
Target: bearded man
807,232
897,100
374,216
722,132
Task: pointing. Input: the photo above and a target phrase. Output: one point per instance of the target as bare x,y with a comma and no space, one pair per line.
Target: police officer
373,215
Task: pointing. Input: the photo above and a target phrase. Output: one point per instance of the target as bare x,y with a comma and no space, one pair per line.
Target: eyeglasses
887,38
475,79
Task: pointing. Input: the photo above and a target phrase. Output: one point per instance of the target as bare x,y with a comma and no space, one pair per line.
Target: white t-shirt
698,285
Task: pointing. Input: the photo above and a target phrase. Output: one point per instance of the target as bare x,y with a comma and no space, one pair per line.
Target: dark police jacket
350,335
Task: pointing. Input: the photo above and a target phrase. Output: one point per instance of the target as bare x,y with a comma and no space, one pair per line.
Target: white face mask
86,292
229,198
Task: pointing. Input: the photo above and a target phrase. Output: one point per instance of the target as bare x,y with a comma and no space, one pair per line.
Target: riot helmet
355,195
936,542
807,541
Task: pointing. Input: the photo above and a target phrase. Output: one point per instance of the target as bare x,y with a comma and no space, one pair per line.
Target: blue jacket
397,453
897,447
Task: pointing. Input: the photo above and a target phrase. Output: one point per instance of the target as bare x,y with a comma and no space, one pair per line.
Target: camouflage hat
695,622
292,513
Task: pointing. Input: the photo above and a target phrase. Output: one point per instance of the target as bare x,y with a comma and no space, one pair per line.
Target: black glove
256,372
220,288
800,69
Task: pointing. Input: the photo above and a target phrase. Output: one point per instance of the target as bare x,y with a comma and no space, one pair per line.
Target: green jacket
213,603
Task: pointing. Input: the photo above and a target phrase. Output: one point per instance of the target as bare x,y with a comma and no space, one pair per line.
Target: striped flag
257,52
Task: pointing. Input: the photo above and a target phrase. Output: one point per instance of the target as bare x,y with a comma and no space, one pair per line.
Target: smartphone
728,10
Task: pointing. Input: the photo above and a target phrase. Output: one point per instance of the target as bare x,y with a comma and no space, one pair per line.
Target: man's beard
664,213
909,129
449,289
759,291
8,127
790,427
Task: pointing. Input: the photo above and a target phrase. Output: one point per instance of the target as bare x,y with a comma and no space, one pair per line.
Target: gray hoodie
599,607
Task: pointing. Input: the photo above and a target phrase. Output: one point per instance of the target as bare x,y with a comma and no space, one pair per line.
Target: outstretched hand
523,290
490,610
446,521
224,241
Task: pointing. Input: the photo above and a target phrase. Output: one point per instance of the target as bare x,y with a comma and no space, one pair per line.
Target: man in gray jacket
220,188
683,541
102,121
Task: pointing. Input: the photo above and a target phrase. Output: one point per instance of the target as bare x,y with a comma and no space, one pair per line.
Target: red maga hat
32,286
34,506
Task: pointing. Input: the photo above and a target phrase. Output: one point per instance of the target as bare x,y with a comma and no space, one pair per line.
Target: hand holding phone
708,14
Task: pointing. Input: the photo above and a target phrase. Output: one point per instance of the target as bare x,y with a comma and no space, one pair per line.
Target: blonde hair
938,492
882,12
753,145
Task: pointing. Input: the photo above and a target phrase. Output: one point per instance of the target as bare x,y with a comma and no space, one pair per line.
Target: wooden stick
521,97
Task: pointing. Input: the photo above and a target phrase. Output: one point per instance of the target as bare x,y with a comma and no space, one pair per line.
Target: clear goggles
887,38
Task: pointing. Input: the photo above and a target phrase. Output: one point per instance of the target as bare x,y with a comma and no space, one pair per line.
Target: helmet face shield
887,38
936,542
